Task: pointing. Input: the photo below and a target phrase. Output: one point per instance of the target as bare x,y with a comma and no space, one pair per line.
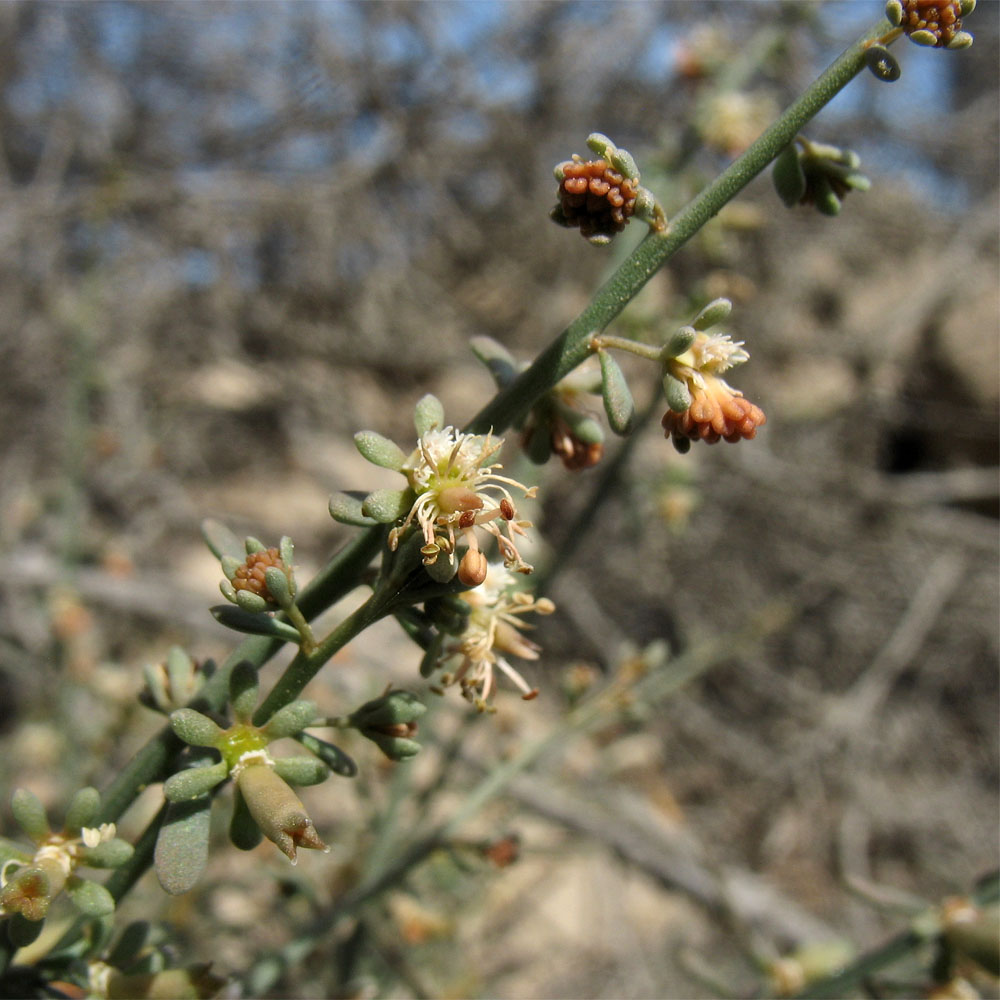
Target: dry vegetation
233,235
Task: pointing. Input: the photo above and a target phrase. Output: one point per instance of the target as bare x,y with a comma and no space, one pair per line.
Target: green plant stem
846,981
152,762
572,347
305,666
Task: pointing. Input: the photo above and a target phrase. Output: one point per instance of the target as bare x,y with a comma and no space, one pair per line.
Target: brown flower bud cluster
942,18
250,576
714,416
595,197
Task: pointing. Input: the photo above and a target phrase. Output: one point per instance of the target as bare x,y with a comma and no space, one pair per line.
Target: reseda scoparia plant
443,554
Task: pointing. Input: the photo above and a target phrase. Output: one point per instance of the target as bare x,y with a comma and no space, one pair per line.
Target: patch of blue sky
656,60
197,268
461,25
305,153
901,164
503,81
466,125
119,31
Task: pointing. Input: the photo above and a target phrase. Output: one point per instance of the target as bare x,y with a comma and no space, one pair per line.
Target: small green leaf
346,508
428,415
221,540
827,202
196,729
194,782
130,942
301,770
21,932
243,621
82,809
109,854
386,506
90,898
788,177
290,719
677,394
539,444
244,689
715,312
30,814
444,568
585,428
379,450
251,603
244,832
618,402
429,661
679,342
882,63
281,588
331,755
497,359
181,853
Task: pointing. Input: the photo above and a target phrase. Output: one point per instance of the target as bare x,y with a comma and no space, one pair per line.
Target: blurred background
234,234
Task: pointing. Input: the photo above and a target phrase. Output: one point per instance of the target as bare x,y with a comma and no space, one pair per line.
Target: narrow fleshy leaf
243,621
130,942
282,591
90,898
221,540
386,506
194,782
428,415
244,689
290,719
30,814
618,402
194,728
585,428
109,854
677,394
182,845
681,340
346,508
715,312
788,177
497,358
244,832
379,450
334,758
251,603
82,809
539,445
301,770
429,661
21,932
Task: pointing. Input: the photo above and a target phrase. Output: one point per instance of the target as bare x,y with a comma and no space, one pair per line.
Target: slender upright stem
572,347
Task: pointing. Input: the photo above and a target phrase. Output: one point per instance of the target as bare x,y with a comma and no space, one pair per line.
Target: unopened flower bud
472,568
277,810
27,892
390,722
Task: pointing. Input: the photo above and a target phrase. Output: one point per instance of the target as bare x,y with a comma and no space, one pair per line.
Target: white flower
492,630
458,490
